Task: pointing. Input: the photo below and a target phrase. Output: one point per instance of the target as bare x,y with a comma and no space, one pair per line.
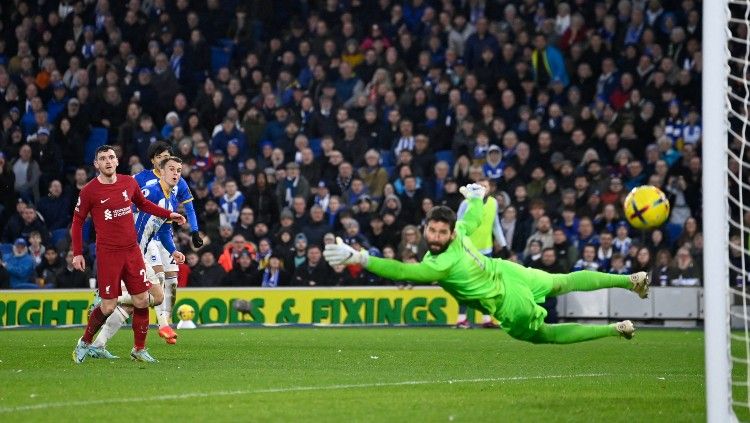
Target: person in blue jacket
20,266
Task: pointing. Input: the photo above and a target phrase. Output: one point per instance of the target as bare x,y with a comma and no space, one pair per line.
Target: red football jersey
110,206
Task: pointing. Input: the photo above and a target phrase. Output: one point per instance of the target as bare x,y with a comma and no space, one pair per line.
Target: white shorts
157,255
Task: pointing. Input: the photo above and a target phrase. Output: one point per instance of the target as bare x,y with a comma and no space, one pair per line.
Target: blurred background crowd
305,120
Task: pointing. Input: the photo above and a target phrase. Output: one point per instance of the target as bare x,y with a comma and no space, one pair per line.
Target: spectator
588,259
315,271
50,268
244,272
548,63
207,273
230,203
618,265
274,274
69,277
549,264
566,254
232,251
543,234
685,272
642,261
20,266
293,185
54,208
317,227
22,224
27,173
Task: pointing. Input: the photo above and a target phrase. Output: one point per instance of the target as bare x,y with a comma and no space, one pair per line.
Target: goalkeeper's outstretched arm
470,215
340,253
398,271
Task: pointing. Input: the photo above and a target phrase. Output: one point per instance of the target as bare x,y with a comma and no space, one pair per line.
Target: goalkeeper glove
340,253
473,191
197,240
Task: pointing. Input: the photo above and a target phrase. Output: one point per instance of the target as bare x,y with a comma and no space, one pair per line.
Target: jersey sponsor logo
474,256
110,214
104,201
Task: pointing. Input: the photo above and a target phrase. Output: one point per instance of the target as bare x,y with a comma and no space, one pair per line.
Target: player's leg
569,333
461,321
109,267
523,319
138,285
543,284
114,323
586,280
164,311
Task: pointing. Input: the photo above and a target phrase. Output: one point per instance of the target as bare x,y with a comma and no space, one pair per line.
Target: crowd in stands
301,121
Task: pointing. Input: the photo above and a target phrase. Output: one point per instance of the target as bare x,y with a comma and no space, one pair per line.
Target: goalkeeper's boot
626,329
101,352
80,352
142,355
168,334
640,283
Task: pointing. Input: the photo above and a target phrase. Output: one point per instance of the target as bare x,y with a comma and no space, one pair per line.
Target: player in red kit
108,198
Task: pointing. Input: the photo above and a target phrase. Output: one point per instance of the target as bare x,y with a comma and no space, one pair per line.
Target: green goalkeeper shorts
520,313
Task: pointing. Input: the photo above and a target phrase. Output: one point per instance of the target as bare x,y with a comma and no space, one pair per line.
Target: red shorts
126,266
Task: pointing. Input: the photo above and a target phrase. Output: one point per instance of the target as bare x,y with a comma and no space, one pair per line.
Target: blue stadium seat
219,58
315,146
673,231
58,235
446,156
97,138
386,158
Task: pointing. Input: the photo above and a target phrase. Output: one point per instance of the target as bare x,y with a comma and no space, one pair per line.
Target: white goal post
715,211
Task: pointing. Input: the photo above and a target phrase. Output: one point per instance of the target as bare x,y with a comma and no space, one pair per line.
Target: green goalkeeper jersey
461,269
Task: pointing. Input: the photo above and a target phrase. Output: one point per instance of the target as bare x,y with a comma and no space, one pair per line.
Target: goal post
715,216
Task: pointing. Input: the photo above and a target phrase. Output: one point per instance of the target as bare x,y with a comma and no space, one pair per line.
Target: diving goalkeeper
506,290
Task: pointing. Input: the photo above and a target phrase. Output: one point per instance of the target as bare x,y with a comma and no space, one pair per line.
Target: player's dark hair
103,148
164,162
157,148
442,214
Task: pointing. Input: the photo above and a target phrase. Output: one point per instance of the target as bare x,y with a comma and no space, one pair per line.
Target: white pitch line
84,403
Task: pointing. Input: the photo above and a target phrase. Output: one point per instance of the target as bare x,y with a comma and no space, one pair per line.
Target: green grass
337,374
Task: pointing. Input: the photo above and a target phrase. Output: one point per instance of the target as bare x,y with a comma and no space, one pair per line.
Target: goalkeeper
506,290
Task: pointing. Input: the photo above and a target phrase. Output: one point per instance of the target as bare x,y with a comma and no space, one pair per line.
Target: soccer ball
186,312
646,207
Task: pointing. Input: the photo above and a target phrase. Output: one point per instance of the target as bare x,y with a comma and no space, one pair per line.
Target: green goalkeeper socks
586,280
568,333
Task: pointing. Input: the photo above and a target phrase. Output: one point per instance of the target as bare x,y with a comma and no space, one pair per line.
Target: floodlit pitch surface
354,374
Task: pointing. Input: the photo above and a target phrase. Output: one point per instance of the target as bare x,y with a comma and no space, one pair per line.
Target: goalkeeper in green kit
510,292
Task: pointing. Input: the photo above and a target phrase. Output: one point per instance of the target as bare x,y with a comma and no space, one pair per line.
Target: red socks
96,320
140,327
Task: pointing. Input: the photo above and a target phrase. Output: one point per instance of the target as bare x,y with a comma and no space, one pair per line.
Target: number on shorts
143,273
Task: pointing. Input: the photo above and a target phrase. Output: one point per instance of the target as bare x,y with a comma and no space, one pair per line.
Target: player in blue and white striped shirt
159,255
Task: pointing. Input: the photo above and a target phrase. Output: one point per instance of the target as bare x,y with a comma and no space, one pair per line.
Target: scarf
291,189
270,279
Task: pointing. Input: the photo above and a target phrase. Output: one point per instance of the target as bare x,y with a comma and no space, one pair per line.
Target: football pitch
354,374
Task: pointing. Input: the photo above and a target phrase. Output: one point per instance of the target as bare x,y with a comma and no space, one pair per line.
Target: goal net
726,188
